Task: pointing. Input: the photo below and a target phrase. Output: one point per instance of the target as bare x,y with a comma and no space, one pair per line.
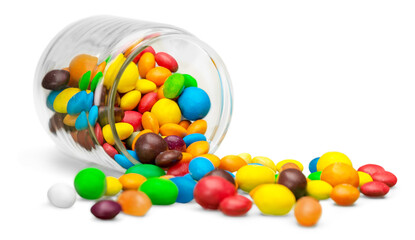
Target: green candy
276,176
173,86
147,170
84,81
160,191
90,183
95,81
314,175
189,81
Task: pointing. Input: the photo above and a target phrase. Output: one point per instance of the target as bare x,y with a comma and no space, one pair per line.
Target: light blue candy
186,187
194,137
312,166
199,167
81,122
194,103
77,103
259,164
51,98
123,161
93,115
133,154
89,102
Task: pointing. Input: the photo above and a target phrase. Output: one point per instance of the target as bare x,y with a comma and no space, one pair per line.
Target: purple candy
175,143
106,209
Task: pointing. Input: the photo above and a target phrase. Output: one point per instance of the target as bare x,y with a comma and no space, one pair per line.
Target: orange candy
231,163
146,63
290,165
186,157
198,126
99,68
213,158
167,176
160,93
131,181
338,173
344,194
134,202
149,121
198,148
173,129
307,211
185,124
80,65
158,75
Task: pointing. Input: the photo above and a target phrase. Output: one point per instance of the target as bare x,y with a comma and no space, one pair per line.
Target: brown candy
294,180
148,146
55,80
56,122
168,158
223,174
103,115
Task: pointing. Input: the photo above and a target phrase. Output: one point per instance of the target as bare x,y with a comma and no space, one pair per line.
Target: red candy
147,102
371,169
374,189
236,205
147,49
133,118
387,178
110,150
179,169
211,190
166,60
98,134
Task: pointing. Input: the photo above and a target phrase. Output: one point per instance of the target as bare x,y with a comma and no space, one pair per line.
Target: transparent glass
107,36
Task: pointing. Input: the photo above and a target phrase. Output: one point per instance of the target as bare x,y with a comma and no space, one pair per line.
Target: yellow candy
167,111
250,176
274,199
319,189
128,78
124,130
364,178
130,100
330,158
264,161
213,158
69,120
113,186
145,86
281,163
61,101
246,156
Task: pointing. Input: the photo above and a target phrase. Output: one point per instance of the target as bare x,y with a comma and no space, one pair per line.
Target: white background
308,76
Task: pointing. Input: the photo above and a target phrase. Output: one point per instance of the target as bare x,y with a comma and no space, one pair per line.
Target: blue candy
194,137
194,103
123,161
259,164
93,115
77,103
199,167
81,122
51,99
133,154
312,166
233,175
89,102
186,187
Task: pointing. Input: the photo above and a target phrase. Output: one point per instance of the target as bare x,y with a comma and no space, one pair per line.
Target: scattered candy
338,173
371,169
131,181
250,176
374,189
344,194
294,180
106,209
90,183
319,189
386,177
236,205
134,202
307,211
211,190
62,195
113,186
330,158
274,199
199,167
146,170
186,186
160,191
223,174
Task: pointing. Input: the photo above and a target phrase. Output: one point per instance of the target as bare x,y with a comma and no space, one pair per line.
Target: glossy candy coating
169,129
62,195
90,183
179,169
167,111
79,65
134,119
175,143
294,180
274,199
131,181
198,126
158,75
134,202
222,173
236,205
198,148
279,165
265,161
338,173
364,178
314,176
211,190
374,189
199,167
113,186
189,81
246,157
173,86
130,100
371,169
106,209
344,194
194,103
330,158
166,60
307,211
168,158
312,166
124,130
386,177
146,170
145,86
290,165
147,102
250,176
160,191
186,187
148,146
232,163
212,158
150,122
319,189
146,63
55,80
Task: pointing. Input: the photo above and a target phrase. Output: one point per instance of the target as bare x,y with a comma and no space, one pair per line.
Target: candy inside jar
140,93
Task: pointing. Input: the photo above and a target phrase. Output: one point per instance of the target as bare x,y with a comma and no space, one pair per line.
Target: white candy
62,195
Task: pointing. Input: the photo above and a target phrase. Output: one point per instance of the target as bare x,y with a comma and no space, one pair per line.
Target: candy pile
225,183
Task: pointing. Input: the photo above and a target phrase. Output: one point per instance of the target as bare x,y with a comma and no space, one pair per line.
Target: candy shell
185,123
179,169
131,181
134,118
192,138
173,86
93,115
124,130
166,60
90,183
213,158
250,176
265,161
386,177
166,111
307,211
113,186
134,202
330,158
147,102
312,166
169,129
147,49
106,209
62,195
145,64
232,163
279,165
61,101
84,81
314,176
168,158
81,121
194,103
236,205
110,150
55,80
374,189
199,167
222,173
146,170
295,180
198,126
160,191
186,187
148,146
79,65
150,122
158,75
344,194
364,178
175,143
189,81
246,157
318,189
211,190
51,99
198,148
274,199
338,173
145,86
371,169
130,100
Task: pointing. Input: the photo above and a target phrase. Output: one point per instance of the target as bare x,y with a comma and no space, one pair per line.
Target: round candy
62,195
318,189
145,86
315,175
160,191
290,165
338,173
110,150
175,143
128,78
150,122
386,177
166,111
222,173
186,186
374,189
330,158
211,190
344,194
133,118
146,170
113,186
131,181
168,158
148,146
265,161
250,176
371,169
294,180
189,81
213,158
274,199
146,63
312,166
246,157
147,49
124,130
61,100
194,103
232,163
364,178
199,167
134,202
158,75
179,169
90,183
307,211
279,165
81,64
130,100
106,209
198,148
173,86
55,80
236,205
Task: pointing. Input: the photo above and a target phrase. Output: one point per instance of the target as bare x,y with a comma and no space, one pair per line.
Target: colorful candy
62,195
199,167
307,211
148,146
386,177
146,170
250,176
106,209
55,80
168,158
338,173
211,190
113,186
294,180
274,199
231,163
131,181
344,194
374,189
330,158
194,103
319,189
90,183
222,173
186,186
134,202
160,191
236,205
166,111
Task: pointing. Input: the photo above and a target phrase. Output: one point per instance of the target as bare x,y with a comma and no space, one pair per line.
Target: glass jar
105,39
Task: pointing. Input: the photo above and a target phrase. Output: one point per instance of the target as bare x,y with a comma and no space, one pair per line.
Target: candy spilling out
159,118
